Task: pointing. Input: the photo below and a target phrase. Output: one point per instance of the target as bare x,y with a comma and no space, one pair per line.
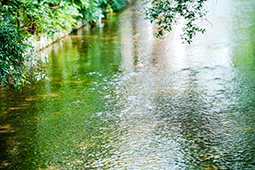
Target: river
119,98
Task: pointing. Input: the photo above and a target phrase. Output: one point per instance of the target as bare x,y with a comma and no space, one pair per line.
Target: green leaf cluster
38,16
92,10
112,5
16,69
168,13
48,16
11,67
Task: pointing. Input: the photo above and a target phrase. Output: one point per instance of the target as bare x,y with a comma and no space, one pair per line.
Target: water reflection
120,99
179,111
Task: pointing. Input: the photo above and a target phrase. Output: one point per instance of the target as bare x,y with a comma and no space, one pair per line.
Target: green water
118,98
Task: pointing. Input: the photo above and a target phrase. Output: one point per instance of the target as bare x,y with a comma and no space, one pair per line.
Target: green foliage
89,9
35,17
168,13
11,57
15,67
112,5
48,16
93,10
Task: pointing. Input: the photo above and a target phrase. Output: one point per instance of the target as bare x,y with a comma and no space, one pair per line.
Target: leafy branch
168,13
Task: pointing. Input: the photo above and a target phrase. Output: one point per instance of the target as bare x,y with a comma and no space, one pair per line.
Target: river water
118,98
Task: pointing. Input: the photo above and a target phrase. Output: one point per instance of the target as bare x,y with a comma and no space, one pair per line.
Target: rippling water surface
118,98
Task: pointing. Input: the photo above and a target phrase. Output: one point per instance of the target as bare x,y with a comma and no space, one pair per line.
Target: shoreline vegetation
27,26
44,40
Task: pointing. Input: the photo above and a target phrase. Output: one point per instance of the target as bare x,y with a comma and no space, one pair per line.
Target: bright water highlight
118,98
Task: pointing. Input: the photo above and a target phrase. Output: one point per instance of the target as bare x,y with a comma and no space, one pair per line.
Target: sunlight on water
118,98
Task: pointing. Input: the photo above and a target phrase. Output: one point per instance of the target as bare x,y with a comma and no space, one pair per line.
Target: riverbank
46,40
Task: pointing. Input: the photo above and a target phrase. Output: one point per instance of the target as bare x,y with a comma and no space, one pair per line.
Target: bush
12,49
16,59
